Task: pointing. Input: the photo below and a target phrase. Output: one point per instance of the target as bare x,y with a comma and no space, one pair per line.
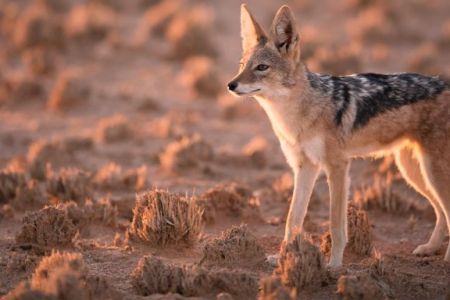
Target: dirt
104,102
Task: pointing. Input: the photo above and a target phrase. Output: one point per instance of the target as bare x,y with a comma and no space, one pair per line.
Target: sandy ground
136,89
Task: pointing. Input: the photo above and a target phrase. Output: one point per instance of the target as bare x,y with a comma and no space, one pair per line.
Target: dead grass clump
202,77
114,129
90,22
49,226
341,60
38,60
230,199
36,26
359,233
69,91
382,195
255,151
69,184
271,288
161,218
111,176
9,183
235,247
301,264
63,276
21,262
189,152
362,286
102,211
152,275
203,282
188,34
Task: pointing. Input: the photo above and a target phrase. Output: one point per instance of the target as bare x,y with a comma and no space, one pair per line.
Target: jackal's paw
425,249
273,259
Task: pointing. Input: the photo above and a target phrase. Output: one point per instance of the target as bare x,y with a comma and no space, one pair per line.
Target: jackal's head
269,62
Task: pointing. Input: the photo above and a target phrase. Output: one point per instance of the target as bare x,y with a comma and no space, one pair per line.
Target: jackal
322,121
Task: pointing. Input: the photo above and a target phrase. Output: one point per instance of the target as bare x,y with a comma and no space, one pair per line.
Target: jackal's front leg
304,178
338,182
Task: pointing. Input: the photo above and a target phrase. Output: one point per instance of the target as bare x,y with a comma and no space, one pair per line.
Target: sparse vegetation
49,226
161,218
236,246
152,275
273,289
187,153
301,264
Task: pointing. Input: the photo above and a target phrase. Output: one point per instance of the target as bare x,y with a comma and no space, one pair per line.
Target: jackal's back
361,97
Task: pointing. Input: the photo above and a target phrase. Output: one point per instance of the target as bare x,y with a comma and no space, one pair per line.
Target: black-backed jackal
323,121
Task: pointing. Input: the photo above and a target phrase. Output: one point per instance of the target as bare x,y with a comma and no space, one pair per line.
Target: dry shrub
235,247
230,199
63,276
202,77
423,60
70,91
340,60
69,184
256,150
271,288
161,218
382,195
49,226
152,275
359,233
301,264
90,22
21,89
362,286
188,152
37,26
38,60
9,182
114,129
188,33
111,176
76,143
20,262
102,211
20,192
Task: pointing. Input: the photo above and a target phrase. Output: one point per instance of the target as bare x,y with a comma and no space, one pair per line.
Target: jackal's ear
251,32
284,33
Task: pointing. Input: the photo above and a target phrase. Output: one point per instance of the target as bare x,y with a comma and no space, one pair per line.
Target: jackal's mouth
246,93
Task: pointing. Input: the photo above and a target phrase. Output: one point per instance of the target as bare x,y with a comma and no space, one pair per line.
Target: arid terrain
127,171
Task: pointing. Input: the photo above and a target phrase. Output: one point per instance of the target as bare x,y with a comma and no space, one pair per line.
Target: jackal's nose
232,85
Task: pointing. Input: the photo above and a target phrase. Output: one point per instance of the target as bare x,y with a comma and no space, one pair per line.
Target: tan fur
303,120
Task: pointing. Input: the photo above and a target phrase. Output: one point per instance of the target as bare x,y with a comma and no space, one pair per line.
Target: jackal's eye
261,67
